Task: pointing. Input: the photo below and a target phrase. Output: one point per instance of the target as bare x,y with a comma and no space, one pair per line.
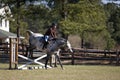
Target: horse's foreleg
51,57
55,60
46,62
58,52
59,61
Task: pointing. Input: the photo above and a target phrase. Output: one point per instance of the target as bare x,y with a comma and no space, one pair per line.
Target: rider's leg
45,42
44,45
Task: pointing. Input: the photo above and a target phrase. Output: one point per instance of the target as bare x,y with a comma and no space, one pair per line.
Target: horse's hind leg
53,61
59,61
55,64
31,53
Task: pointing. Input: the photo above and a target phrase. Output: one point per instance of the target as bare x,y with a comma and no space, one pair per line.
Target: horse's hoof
55,66
46,67
63,69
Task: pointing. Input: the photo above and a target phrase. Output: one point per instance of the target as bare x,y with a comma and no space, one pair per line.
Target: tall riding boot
45,45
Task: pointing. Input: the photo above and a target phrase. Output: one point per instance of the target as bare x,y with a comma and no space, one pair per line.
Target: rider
50,34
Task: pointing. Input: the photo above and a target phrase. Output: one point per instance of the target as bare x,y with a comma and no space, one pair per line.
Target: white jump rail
24,66
13,63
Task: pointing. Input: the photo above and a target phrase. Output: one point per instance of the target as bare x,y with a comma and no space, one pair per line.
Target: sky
37,2
106,1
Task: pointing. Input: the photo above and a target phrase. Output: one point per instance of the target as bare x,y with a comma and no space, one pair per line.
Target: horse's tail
29,32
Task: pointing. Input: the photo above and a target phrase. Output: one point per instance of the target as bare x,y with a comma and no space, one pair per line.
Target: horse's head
65,44
61,41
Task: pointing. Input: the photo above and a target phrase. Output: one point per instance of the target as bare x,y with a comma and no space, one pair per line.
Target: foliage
94,22
115,18
88,19
113,21
32,17
37,18
86,16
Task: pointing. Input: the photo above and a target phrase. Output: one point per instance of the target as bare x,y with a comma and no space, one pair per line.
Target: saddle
49,40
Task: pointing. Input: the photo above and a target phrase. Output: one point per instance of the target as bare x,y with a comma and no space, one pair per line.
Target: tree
27,16
115,18
17,4
113,21
84,18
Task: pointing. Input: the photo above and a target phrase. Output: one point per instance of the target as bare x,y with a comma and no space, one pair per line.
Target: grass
76,72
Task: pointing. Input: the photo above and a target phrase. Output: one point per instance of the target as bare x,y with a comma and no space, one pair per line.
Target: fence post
13,53
16,53
105,53
117,57
7,47
73,61
10,62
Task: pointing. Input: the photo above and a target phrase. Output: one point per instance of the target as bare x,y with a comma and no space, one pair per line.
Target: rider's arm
53,33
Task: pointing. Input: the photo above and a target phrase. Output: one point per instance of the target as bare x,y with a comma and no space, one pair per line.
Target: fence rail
91,54
78,54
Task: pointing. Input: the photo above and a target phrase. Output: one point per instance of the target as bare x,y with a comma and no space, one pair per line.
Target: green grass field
76,72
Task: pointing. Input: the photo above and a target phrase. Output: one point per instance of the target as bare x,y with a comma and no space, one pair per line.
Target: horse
36,41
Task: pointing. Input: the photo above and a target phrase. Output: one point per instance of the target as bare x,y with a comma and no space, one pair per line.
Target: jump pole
13,63
13,53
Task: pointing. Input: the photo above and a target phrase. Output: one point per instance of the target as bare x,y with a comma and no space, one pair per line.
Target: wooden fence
82,55
79,55
4,47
